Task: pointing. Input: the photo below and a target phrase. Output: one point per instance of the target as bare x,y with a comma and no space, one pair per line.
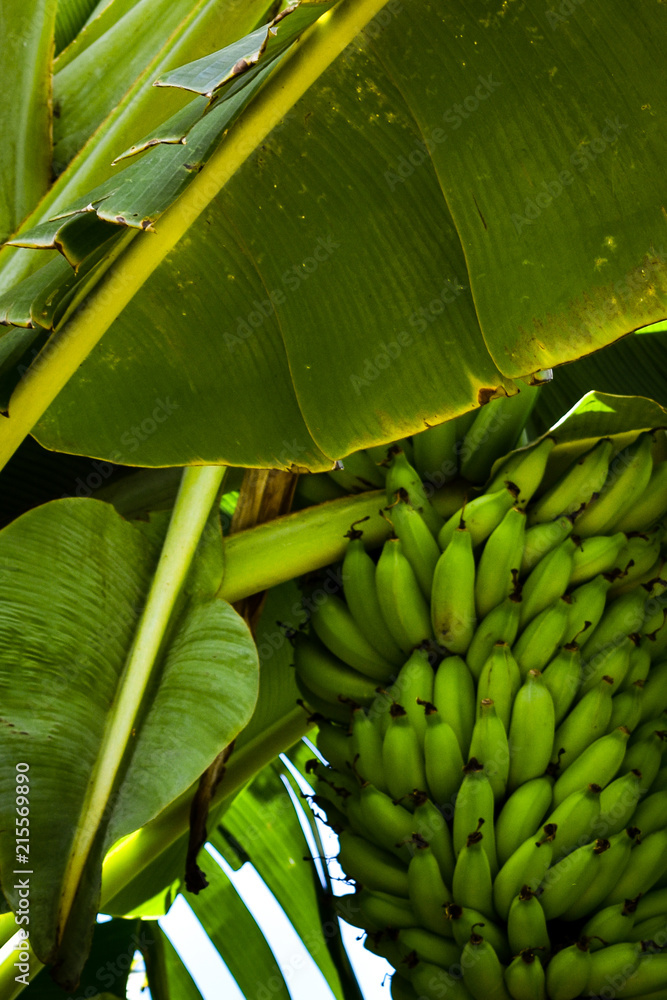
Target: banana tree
264,237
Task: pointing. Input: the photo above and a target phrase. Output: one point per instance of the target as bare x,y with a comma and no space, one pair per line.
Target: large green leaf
25,108
74,577
167,976
106,971
394,194
234,932
263,824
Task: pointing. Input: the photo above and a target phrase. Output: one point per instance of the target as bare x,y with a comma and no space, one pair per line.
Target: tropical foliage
329,226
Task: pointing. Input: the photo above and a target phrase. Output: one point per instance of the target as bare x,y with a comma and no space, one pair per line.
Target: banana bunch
491,694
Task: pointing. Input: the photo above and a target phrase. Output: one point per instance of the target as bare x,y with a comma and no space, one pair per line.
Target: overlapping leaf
73,578
432,220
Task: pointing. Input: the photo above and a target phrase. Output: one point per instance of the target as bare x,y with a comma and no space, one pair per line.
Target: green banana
648,980
489,744
576,818
570,877
525,978
650,506
369,865
646,756
618,803
327,676
419,545
414,686
453,594
562,677
587,721
657,635
541,539
500,625
428,947
584,477
494,431
480,516
530,738
612,965
402,757
465,921
499,681
628,477
640,665
400,988
655,725
541,638
402,476
475,802
627,707
610,862
648,861
380,910
501,556
431,982
524,469
335,745
526,866
391,824
427,891
367,749
622,617
612,661
358,572
443,760
651,814
454,697
547,582
610,925
401,601
659,783
637,558
587,604
595,555
597,764
472,884
568,971
521,815
526,923
655,690
383,944
653,904
434,452
482,970
358,472
318,708
337,630
430,824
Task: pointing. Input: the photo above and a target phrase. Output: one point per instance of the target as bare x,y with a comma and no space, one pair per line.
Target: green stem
198,490
310,539
68,348
132,854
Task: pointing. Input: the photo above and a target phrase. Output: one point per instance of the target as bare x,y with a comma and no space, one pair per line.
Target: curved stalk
310,539
193,504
